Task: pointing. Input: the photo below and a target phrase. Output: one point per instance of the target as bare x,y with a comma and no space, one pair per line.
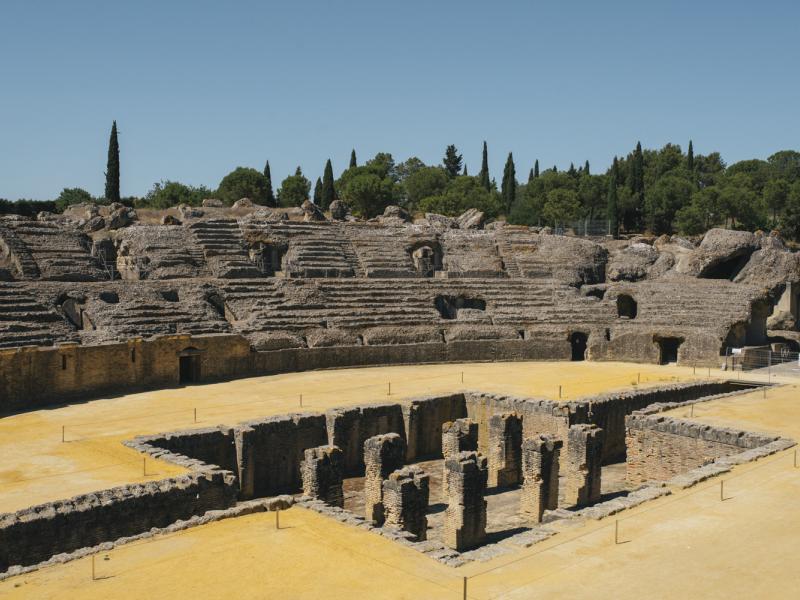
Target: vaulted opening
427,258
448,306
626,307
668,349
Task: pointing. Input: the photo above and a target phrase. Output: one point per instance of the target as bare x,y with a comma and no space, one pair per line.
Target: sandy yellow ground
688,545
37,467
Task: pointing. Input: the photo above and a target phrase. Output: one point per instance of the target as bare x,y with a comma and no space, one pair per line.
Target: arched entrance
189,365
578,341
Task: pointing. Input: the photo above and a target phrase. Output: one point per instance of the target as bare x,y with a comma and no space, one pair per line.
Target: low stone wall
35,534
424,418
211,446
660,447
349,427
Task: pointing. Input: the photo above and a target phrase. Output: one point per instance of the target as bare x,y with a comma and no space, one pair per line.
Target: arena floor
689,544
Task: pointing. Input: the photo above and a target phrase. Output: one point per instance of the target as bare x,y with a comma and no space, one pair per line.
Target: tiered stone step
27,268
24,321
381,251
60,254
316,250
224,249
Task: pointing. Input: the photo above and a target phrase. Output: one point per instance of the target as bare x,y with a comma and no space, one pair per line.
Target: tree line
661,191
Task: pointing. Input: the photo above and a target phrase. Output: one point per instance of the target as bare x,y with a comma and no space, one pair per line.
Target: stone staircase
316,250
24,321
224,248
381,251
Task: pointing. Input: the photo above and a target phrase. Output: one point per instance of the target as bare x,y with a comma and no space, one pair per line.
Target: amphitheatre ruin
278,403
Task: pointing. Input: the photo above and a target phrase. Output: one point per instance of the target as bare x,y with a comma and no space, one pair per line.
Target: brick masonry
405,498
322,474
540,470
465,516
383,454
583,465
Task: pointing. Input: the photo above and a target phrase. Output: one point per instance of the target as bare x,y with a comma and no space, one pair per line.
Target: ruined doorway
668,350
578,342
626,307
189,366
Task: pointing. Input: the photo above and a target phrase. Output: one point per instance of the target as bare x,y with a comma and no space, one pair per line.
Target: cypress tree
452,161
464,172
484,174
271,201
353,162
318,193
112,166
690,158
611,203
328,191
586,168
572,172
536,168
509,188
555,169
531,176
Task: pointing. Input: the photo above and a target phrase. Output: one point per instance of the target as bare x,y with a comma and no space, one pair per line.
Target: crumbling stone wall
505,450
540,470
583,465
35,534
405,499
383,454
349,428
465,516
269,452
322,474
424,419
210,445
661,447
458,436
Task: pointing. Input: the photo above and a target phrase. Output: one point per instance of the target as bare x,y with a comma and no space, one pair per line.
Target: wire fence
778,361
584,228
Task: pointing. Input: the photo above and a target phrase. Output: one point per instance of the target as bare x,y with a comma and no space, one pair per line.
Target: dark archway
668,350
189,365
448,306
578,341
626,307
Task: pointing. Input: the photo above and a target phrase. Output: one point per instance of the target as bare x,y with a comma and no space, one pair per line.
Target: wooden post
301,400
63,428
144,467
692,413
638,378
390,389
465,588
462,376
722,490
195,415
559,391
93,572
616,531
795,459
278,519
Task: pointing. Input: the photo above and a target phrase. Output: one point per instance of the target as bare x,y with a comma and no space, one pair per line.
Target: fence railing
781,361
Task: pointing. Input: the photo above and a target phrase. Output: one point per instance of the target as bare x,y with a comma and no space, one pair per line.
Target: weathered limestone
322,474
460,435
465,517
383,454
540,465
583,465
405,500
505,448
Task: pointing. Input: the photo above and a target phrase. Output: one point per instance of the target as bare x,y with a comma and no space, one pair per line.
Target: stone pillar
465,517
383,454
505,450
583,465
245,462
321,471
405,500
540,456
460,435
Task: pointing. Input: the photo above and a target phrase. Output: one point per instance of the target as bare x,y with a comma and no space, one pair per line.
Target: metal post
795,459
694,369
462,376
722,490
709,371
638,378
301,400
559,391
144,467
63,427
195,415
93,576
390,389
278,518
692,413
465,588
616,531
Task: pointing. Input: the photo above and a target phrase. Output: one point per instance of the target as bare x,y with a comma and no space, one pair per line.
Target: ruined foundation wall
269,452
661,447
540,470
424,419
349,428
405,499
383,454
322,475
212,445
35,534
582,467
505,450
465,516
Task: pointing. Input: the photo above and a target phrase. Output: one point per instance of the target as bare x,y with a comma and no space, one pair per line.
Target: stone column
583,465
540,457
460,435
505,449
383,454
321,471
465,517
405,500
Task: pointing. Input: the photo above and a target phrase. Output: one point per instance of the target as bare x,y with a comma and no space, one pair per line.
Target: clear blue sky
199,87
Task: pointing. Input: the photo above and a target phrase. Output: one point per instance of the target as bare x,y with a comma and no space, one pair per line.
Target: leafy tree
269,199
294,189
572,172
70,196
408,167
562,206
740,203
591,189
318,192
776,193
790,220
452,161
367,193
462,193
509,186
353,162
425,182
243,182
483,176
328,192
165,194
663,200
383,166
612,202
785,165
112,166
